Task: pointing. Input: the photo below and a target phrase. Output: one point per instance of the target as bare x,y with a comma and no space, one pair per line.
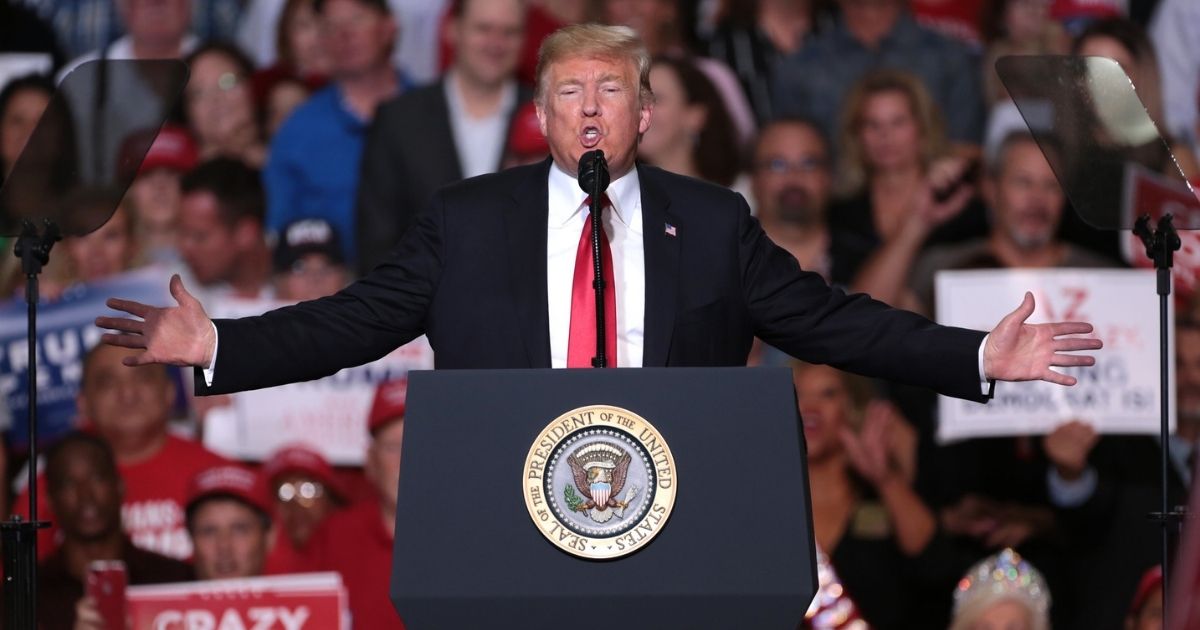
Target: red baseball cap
389,404
172,147
299,458
228,481
525,137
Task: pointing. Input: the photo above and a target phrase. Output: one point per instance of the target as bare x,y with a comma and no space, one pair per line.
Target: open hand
1017,351
177,335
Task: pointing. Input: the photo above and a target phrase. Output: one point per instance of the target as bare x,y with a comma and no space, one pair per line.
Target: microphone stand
1161,244
20,537
599,182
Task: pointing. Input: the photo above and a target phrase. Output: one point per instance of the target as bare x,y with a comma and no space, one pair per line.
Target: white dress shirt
623,225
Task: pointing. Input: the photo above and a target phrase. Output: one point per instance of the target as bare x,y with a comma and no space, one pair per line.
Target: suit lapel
662,269
525,234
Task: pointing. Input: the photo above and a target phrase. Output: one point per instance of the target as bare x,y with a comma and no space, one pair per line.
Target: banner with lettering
1120,394
329,415
66,331
304,601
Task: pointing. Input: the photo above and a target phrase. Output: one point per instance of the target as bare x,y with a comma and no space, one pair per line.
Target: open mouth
590,136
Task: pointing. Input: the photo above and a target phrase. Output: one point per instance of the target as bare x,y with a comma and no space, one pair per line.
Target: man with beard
791,183
85,491
1025,205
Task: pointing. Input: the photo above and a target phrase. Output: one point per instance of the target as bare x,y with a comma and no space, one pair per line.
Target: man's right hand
177,335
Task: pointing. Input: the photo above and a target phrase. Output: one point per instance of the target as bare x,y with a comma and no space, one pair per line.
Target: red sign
1147,192
308,601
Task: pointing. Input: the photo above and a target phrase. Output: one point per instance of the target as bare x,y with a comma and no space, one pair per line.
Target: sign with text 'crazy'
306,601
1120,394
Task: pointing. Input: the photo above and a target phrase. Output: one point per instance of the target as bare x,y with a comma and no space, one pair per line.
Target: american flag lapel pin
669,229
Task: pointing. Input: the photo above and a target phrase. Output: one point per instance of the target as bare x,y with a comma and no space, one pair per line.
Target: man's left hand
1017,351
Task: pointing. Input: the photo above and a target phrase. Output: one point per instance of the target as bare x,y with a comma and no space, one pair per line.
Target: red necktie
581,345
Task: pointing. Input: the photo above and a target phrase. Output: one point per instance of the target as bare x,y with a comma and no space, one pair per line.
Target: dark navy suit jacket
471,274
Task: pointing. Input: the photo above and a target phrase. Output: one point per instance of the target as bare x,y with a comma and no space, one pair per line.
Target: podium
736,550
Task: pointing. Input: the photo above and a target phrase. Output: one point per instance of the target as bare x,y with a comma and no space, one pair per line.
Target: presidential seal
599,482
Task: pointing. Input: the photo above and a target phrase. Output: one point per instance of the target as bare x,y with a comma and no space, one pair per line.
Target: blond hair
852,163
593,40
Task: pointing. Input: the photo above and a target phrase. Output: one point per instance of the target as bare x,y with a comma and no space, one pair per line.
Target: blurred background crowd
872,138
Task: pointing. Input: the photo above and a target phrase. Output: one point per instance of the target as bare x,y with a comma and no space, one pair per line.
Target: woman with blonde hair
899,182
1002,592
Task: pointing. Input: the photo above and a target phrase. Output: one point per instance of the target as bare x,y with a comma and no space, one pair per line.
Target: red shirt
155,495
355,543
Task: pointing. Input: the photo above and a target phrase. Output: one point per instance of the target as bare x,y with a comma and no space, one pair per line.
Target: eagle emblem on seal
599,471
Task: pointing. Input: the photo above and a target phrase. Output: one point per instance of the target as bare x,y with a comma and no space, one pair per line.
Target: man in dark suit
486,273
439,134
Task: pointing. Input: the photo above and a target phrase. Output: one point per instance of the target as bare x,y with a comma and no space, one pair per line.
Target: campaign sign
1120,394
66,331
303,601
329,414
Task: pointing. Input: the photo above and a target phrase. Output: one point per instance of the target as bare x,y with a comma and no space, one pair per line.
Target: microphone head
593,171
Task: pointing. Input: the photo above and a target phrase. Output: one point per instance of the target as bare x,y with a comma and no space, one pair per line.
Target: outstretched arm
1017,351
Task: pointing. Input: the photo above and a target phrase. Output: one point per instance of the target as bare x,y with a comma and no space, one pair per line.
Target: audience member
444,132
280,98
791,181
304,491
1025,204
298,49
229,521
155,29
866,515
108,250
357,542
1175,31
753,36
86,494
155,195
661,26
539,24
1018,27
873,34
76,27
1002,591
220,105
1104,486
692,133
220,231
313,167
22,102
892,159
308,261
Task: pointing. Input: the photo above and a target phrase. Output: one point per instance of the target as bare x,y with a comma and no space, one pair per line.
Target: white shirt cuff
212,365
984,385
1071,494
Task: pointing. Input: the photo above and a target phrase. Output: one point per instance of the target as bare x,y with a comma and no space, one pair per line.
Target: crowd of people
873,140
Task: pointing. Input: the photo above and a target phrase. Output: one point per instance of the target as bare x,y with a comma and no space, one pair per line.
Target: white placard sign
1120,394
329,415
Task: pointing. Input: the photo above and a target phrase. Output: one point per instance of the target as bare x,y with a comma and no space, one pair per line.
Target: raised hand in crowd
944,193
1068,447
885,449
877,452
88,617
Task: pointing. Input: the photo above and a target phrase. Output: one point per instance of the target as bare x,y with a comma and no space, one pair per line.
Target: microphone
593,172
